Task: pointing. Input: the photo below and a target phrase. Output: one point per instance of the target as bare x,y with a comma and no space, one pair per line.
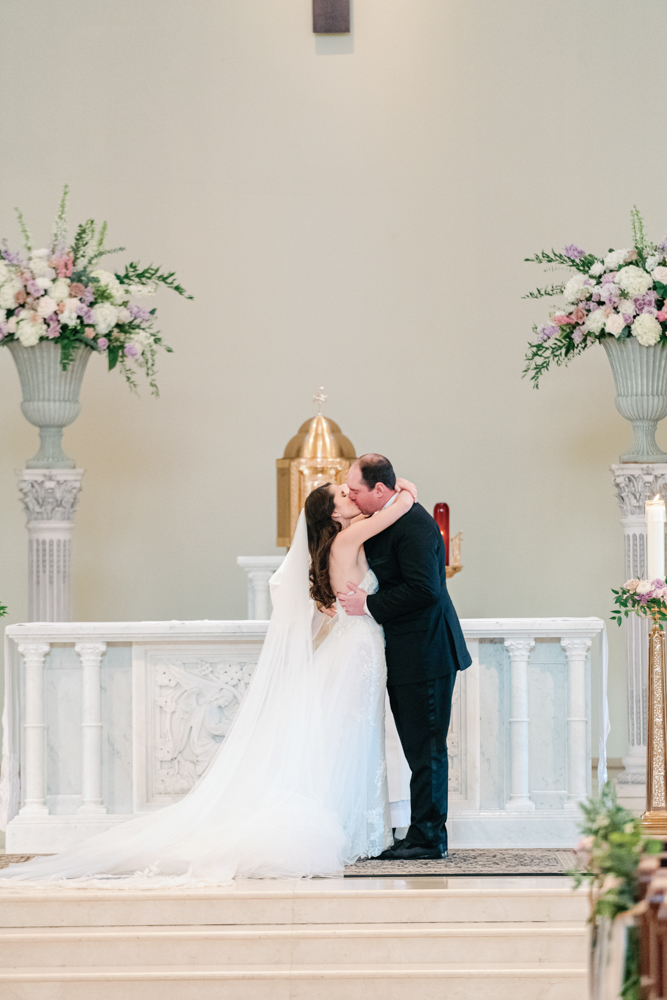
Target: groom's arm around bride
424,646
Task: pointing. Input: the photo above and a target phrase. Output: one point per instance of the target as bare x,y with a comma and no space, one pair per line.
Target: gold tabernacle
318,454
654,820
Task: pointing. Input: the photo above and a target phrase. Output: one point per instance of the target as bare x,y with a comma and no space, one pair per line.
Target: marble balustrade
106,720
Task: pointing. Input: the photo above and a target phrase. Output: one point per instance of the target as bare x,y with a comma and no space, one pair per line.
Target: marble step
502,981
316,901
280,944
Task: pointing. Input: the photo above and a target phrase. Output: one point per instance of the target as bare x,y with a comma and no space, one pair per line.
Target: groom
424,647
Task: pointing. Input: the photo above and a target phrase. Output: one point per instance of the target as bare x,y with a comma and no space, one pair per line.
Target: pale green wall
351,213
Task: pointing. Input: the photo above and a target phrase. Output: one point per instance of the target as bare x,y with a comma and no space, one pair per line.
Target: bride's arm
359,531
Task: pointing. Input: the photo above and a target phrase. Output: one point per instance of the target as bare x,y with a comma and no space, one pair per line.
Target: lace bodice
369,584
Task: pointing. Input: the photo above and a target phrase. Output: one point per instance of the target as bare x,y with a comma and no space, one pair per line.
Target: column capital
635,484
50,494
34,651
519,649
91,651
575,647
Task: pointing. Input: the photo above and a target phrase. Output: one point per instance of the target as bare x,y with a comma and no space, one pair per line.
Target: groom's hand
354,602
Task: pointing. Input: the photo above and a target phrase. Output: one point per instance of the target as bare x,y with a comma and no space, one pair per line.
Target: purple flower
132,350
88,295
11,258
3,330
579,334
53,329
102,343
141,315
663,245
34,288
606,278
595,296
574,252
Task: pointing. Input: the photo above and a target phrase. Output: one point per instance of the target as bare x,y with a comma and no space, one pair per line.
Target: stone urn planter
640,374
50,397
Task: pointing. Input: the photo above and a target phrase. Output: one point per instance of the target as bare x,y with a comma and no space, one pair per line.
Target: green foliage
84,235
610,851
542,354
543,293
60,226
27,238
639,238
3,610
135,274
627,602
584,264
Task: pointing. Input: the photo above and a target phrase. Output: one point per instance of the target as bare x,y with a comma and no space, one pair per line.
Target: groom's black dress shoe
403,850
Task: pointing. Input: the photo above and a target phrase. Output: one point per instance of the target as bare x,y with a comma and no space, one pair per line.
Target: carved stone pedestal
49,497
635,484
260,569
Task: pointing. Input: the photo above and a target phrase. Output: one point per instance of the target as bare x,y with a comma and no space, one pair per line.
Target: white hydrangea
70,316
4,272
59,290
614,259
575,289
3,315
614,324
595,321
597,269
142,338
660,274
634,280
46,305
647,330
124,314
105,317
29,329
627,307
8,291
111,282
652,262
44,283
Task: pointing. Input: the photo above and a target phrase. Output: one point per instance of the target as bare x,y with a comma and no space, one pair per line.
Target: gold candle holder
455,565
654,820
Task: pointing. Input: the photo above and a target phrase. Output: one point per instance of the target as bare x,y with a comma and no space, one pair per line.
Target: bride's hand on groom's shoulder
405,484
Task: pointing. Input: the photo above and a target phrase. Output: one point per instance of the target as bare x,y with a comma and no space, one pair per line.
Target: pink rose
578,315
631,585
561,319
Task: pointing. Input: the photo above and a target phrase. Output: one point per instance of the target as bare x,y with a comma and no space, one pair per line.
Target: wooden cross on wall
331,17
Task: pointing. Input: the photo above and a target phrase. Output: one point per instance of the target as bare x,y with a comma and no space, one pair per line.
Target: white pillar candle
655,542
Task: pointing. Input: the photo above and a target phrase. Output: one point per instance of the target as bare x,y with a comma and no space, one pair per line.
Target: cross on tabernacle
320,398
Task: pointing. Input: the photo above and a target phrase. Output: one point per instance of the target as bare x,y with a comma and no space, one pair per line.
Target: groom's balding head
371,482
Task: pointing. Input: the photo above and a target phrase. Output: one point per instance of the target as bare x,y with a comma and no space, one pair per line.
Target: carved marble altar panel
190,696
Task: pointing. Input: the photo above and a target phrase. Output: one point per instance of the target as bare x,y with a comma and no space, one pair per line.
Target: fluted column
49,497
34,773
259,570
90,654
635,484
576,651
519,650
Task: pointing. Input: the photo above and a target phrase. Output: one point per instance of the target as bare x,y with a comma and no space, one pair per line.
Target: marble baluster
34,654
578,766
519,800
90,654
259,570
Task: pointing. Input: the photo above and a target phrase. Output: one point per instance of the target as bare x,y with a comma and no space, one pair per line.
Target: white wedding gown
298,788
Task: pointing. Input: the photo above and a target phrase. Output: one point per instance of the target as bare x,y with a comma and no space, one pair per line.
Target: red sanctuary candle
441,515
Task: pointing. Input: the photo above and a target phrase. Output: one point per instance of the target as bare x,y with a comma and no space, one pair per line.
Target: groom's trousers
422,712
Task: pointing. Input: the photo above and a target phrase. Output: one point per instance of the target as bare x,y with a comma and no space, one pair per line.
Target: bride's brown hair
319,506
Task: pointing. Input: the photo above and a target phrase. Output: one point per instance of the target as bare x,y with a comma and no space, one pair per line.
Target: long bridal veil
264,807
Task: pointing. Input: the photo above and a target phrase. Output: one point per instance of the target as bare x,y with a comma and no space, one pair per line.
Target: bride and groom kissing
298,787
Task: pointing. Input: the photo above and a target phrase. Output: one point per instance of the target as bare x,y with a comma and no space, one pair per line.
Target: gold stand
654,820
455,554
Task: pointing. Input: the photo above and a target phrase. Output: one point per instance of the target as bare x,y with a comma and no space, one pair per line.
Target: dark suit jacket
422,631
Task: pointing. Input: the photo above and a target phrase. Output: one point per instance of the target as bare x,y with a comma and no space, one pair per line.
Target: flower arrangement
61,294
622,294
647,598
609,854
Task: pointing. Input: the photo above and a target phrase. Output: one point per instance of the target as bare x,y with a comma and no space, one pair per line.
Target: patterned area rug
461,861
474,861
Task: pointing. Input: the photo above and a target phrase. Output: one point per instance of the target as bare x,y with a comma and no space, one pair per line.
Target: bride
298,787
